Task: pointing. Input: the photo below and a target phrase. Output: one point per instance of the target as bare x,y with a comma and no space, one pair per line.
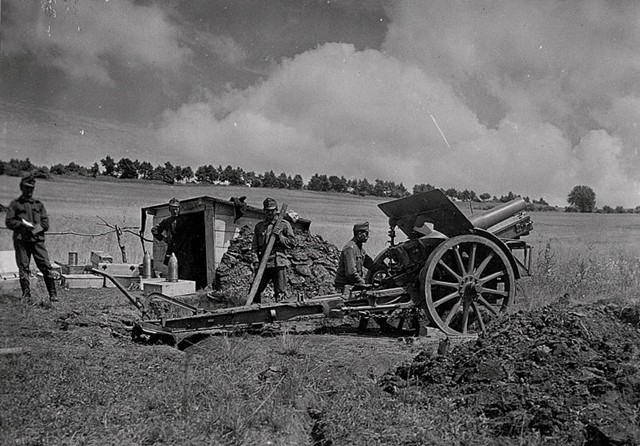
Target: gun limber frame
361,303
460,272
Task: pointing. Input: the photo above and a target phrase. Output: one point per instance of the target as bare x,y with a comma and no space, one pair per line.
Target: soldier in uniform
277,260
173,231
352,260
28,220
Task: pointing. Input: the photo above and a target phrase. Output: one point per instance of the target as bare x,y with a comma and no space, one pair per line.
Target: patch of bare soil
569,374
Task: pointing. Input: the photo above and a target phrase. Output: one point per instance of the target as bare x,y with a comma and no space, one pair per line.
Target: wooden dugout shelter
213,223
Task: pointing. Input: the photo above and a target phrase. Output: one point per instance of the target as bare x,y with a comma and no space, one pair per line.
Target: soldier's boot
50,283
25,286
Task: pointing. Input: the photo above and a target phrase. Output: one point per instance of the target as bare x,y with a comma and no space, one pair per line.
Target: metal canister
73,258
172,275
146,266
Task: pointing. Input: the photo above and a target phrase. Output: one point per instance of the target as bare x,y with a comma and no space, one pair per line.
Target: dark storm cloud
532,97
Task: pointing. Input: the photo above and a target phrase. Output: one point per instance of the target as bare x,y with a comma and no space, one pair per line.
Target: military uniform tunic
28,241
277,261
350,268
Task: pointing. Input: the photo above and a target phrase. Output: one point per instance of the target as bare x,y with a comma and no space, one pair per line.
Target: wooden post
210,241
265,257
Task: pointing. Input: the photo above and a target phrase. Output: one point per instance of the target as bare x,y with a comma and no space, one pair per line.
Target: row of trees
469,195
126,168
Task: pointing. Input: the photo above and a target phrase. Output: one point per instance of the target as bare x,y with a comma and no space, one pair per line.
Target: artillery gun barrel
498,214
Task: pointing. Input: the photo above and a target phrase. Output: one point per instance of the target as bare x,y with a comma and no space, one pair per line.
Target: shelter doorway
196,257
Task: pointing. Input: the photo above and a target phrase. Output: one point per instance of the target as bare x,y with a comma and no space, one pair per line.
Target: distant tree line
469,195
126,168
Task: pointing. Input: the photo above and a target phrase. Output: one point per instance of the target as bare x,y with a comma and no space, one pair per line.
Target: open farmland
83,381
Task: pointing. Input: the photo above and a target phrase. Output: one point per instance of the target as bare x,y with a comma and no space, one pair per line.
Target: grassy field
579,254
74,205
84,382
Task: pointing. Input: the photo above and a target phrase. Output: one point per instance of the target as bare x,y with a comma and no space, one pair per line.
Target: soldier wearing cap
353,258
277,260
174,231
28,220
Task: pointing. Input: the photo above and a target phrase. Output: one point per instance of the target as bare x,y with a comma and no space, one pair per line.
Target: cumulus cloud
531,97
86,37
494,96
565,65
333,110
225,48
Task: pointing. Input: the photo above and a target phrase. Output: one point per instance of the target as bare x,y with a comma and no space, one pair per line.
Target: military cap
269,203
28,180
361,227
174,202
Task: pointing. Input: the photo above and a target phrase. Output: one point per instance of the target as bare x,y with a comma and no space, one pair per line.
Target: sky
487,95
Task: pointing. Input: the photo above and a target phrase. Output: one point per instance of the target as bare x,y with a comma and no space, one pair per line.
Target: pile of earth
312,267
568,374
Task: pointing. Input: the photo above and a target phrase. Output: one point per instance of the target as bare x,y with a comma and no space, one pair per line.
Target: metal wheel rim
467,281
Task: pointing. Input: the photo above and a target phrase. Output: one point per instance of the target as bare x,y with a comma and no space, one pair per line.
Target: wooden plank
82,281
8,262
179,288
210,241
265,257
225,231
120,269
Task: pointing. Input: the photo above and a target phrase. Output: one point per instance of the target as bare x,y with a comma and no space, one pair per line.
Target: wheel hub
469,288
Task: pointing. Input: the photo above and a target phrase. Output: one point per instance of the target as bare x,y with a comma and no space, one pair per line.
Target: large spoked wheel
467,281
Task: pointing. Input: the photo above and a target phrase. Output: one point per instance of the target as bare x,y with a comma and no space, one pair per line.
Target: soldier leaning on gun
28,220
277,260
352,260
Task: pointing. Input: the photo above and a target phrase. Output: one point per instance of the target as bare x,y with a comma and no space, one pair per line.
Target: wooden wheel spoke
465,317
472,258
453,312
490,277
488,306
445,284
484,264
476,310
449,270
456,250
503,293
446,299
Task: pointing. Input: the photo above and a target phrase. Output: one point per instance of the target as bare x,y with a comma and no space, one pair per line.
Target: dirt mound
569,374
312,269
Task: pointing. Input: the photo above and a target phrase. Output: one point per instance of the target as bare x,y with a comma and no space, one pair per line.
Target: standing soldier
173,231
352,258
277,260
28,220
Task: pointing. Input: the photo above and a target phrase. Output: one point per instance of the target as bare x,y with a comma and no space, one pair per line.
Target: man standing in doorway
277,260
28,220
173,231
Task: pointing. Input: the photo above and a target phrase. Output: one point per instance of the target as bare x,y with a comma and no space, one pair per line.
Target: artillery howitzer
459,272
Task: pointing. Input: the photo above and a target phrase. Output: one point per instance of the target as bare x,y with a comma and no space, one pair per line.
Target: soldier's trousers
278,277
24,251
